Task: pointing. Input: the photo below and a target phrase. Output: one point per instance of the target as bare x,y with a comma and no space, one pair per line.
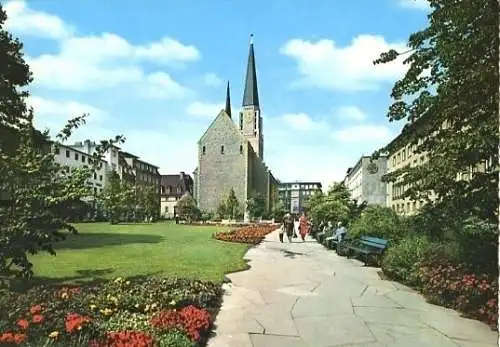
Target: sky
157,72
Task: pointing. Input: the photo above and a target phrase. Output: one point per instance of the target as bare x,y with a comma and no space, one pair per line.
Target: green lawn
101,251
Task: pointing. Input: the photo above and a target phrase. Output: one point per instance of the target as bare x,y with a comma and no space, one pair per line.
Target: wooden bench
367,247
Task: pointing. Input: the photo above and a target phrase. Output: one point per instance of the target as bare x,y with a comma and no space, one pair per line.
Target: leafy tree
148,201
449,97
187,209
233,208
222,210
118,198
379,221
256,205
34,188
279,211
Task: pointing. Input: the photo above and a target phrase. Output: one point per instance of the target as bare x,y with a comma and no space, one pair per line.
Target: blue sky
156,73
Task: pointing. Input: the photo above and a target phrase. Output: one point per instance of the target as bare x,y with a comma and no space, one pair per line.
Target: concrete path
301,294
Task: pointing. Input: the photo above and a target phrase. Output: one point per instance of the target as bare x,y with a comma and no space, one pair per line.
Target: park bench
367,248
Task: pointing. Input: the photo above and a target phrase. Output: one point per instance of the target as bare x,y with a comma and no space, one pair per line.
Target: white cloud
323,64
299,121
212,80
55,110
161,85
350,113
204,109
363,133
414,4
23,20
167,51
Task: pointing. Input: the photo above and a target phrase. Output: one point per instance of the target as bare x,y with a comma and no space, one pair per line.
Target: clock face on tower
372,168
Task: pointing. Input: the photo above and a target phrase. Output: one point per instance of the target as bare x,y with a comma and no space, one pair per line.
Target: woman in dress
303,226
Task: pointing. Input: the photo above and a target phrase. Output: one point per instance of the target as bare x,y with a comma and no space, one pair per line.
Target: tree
187,209
256,205
115,196
279,211
148,201
232,205
34,187
449,97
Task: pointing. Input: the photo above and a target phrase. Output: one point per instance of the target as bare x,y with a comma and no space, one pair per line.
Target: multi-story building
364,181
173,188
74,158
294,194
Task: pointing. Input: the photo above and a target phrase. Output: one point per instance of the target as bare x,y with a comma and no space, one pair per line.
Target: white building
73,158
364,181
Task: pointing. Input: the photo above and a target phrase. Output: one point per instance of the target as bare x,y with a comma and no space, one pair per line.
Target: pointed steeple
228,101
251,94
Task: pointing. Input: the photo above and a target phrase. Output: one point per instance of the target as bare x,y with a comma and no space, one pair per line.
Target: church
231,155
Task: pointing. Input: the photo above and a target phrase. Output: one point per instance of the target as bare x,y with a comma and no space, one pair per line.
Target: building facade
173,188
295,194
364,181
231,156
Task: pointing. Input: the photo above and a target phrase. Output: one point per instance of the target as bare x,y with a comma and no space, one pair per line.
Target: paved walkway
300,294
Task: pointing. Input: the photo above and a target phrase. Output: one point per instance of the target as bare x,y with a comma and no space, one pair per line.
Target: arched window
241,149
222,149
203,150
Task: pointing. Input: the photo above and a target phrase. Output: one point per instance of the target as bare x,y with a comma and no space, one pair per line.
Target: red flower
23,324
37,319
124,339
12,338
192,320
35,309
74,321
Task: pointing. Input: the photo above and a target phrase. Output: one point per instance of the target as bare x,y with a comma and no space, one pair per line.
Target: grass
104,251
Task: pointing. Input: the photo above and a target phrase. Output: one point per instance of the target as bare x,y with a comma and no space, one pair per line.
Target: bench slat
374,245
374,240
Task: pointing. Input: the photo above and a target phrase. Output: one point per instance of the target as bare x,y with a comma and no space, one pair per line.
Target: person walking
287,227
303,226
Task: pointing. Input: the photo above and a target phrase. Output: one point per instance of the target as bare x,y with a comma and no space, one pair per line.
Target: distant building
294,194
364,181
173,188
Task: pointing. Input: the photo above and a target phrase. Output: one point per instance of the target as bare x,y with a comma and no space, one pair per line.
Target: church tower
250,116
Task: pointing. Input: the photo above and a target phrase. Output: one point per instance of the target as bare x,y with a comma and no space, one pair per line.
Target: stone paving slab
303,295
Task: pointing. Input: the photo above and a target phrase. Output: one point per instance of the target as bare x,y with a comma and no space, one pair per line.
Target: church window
221,149
203,149
241,121
255,120
241,149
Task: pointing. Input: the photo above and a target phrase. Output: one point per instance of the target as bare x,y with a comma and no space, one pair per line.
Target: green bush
174,338
402,259
380,222
124,320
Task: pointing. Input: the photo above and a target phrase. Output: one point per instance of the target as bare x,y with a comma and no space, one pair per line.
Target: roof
251,93
182,180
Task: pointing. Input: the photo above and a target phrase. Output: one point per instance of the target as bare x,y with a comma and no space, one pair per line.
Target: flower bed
132,313
455,287
252,234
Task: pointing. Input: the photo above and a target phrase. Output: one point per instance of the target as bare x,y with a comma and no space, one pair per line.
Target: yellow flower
127,283
64,295
136,305
54,334
154,305
118,280
106,311
93,307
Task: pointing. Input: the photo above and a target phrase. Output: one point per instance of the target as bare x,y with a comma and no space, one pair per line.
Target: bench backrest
374,242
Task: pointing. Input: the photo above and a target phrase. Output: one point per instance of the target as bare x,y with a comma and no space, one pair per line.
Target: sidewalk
302,295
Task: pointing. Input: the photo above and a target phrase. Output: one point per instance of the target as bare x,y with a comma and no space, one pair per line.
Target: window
404,154
57,150
95,176
241,149
222,149
76,156
95,190
113,153
169,189
203,150
255,120
100,177
67,154
83,159
241,121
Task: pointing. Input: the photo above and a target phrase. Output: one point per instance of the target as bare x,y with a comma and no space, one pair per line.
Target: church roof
228,101
251,94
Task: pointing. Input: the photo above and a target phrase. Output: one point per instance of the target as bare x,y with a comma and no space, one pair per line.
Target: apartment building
73,158
173,188
294,194
364,181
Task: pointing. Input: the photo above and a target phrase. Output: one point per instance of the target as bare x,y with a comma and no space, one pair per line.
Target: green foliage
279,210
174,338
230,207
118,198
148,201
452,80
125,320
256,205
334,206
380,222
402,260
187,209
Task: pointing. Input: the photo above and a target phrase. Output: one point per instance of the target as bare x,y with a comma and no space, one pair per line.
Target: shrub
402,259
174,338
125,320
380,222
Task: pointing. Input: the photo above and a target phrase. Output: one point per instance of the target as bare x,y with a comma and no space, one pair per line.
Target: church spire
228,101
251,94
